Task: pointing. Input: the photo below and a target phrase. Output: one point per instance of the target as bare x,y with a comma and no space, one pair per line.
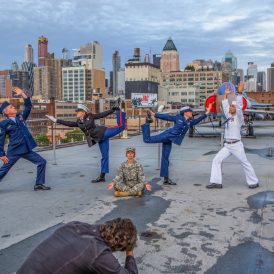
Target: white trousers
238,151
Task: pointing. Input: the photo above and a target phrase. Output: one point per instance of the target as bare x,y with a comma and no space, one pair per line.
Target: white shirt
233,126
13,119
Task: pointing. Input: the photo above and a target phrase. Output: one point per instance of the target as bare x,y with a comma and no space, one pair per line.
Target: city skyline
197,31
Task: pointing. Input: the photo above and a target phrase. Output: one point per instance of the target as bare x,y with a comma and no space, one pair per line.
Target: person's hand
151,112
227,90
110,186
5,159
18,91
53,119
148,187
241,87
208,109
129,253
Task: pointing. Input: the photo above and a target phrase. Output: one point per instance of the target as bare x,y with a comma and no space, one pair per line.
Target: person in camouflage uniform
130,179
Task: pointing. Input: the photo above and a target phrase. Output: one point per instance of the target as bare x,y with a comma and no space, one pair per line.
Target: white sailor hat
186,109
81,107
233,103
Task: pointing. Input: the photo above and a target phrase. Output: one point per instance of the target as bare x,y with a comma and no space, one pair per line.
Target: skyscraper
251,76
28,53
42,50
231,59
156,60
116,65
89,55
261,81
169,57
270,78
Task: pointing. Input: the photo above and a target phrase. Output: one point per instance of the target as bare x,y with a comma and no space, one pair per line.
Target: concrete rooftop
183,229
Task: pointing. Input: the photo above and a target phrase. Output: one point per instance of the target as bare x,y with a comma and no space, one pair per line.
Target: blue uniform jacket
177,133
20,139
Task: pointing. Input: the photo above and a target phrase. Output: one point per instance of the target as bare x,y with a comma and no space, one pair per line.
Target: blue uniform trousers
109,133
166,147
32,157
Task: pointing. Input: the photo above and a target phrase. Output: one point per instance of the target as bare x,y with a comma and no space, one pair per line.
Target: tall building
270,78
251,77
169,57
116,65
5,84
261,81
29,66
48,79
42,50
207,81
156,60
121,83
89,55
82,84
28,54
231,59
140,77
229,67
240,75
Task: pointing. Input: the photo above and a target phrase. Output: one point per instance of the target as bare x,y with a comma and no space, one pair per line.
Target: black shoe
99,180
41,187
210,186
117,104
149,120
168,181
253,186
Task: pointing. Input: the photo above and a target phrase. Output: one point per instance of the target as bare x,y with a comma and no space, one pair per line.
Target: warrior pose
232,144
21,142
96,133
182,122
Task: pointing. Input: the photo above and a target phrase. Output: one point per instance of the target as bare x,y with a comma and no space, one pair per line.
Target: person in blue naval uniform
175,135
21,142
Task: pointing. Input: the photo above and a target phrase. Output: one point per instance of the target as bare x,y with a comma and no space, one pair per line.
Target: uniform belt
232,142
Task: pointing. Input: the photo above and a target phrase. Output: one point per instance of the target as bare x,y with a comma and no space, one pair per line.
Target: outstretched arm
239,103
225,103
103,114
198,120
166,117
27,102
67,123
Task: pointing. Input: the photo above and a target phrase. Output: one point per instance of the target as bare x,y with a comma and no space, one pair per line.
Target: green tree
42,140
75,135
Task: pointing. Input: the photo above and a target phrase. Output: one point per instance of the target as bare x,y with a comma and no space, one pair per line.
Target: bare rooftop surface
182,229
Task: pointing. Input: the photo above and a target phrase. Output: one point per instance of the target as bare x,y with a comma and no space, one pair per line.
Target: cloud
199,29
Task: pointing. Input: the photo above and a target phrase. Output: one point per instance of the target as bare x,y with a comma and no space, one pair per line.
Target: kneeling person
130,180
79,247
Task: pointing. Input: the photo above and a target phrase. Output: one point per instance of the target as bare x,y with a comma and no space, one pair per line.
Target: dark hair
119,234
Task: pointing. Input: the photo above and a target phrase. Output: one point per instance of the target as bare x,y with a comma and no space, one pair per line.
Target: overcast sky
199,29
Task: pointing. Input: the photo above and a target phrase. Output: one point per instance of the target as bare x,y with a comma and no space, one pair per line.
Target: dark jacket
94,133
177,133
20,139
75,248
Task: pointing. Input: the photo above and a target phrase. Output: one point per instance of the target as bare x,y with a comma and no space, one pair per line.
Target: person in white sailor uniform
232,144
182,122
21,142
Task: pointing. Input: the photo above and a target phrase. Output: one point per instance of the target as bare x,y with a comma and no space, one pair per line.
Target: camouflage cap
132,149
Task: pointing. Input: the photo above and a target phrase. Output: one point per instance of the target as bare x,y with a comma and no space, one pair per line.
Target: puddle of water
247,258
261,199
